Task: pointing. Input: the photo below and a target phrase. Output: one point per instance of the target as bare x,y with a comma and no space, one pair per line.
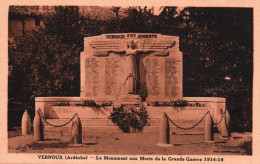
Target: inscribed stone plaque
103,77
171,80
111,76
152,68
163,78
155,71
93,78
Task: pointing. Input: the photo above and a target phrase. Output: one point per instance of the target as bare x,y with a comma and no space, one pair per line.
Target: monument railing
222,116
187,128
48,123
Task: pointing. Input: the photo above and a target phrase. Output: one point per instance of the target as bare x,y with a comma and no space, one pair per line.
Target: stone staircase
106,125
94,120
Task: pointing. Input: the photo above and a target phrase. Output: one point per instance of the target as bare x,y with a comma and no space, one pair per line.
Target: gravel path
131,144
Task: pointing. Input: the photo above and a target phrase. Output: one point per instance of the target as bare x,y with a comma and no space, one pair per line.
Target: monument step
196,130
182,123
85,129
108,122
48,130
177,113
67,112
84,122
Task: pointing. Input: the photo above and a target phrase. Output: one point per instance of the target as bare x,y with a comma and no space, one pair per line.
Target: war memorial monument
143,69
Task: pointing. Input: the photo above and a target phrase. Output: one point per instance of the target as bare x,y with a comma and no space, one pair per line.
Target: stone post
38,128
209,133
26,123
164,133
225,126
76,131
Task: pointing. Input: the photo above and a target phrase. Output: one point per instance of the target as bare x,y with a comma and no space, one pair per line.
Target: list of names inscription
111,74
152,68
92,77
170,77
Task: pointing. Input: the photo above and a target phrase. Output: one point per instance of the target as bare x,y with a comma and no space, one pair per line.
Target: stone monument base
96,119
130,98
92,118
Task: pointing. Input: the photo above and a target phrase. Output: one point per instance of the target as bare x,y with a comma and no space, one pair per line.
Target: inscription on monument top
124,36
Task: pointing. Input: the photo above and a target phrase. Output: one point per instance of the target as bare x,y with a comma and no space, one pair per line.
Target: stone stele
131,67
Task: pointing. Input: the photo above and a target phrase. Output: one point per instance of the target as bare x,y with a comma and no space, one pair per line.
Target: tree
45,62
116,11
217,43
138,20
67,23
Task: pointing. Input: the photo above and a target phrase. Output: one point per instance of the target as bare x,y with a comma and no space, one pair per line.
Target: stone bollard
164,133
225,126
217,116
26,123
208,132
38,128
76,131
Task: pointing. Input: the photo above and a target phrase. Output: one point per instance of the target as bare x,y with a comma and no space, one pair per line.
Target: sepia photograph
130,83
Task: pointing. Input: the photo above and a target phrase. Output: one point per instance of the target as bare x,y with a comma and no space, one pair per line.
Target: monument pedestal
128,99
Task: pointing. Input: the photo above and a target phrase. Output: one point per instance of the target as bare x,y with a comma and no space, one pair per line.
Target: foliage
67,23
247,146
92,103
24,10
63,103
217,43
138,20
127,116
42,63
177,103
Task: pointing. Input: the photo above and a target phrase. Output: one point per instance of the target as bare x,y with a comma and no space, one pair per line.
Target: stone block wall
45,104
